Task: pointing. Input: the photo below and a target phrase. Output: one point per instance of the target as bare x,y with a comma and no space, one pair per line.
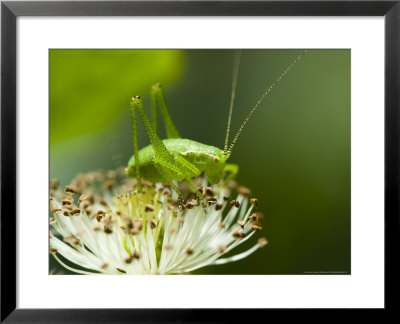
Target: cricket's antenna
236,64
262,98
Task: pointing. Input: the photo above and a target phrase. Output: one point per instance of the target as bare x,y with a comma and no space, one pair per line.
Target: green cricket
176,158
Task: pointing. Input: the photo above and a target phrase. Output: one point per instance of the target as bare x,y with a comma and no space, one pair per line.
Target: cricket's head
134,100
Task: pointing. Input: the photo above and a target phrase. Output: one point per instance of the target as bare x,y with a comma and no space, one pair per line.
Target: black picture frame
10,10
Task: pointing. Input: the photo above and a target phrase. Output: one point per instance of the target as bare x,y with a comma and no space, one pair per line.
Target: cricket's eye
135,98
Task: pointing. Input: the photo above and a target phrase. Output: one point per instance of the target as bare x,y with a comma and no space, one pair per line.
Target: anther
134,231
212,201
209,192
54,183
218,206
189,251
253,217
148,208
254,202
75,211
136,254
221,248
53,250
138,224
70,189
262,242
241,223
121,270
66,201
238,235
100,214
107,230
82,198
235,203
109,184
244,191
257,228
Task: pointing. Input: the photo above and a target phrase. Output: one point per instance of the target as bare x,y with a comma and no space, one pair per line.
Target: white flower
96,230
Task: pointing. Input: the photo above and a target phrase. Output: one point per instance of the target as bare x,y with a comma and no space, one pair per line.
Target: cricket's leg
157,96
135,146
232,170
163,157
189,170
167,175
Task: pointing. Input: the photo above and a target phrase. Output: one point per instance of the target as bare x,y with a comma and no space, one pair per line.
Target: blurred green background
294,153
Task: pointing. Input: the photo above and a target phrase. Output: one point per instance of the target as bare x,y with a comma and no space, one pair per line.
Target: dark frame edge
8,162
11,314
392,152
203,8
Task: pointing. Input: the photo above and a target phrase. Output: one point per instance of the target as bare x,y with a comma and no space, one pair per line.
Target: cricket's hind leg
182,169
157,97
163,161
190,171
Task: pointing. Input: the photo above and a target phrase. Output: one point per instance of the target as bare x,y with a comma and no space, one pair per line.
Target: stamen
149,208
209,192
221,248
254,201
257,228
54,183
243,191
136,254
121,270
192,237
262,242
71,189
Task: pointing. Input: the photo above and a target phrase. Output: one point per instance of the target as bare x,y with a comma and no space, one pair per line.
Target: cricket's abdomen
206,158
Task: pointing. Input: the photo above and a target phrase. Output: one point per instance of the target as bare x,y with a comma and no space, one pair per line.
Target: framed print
185,156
